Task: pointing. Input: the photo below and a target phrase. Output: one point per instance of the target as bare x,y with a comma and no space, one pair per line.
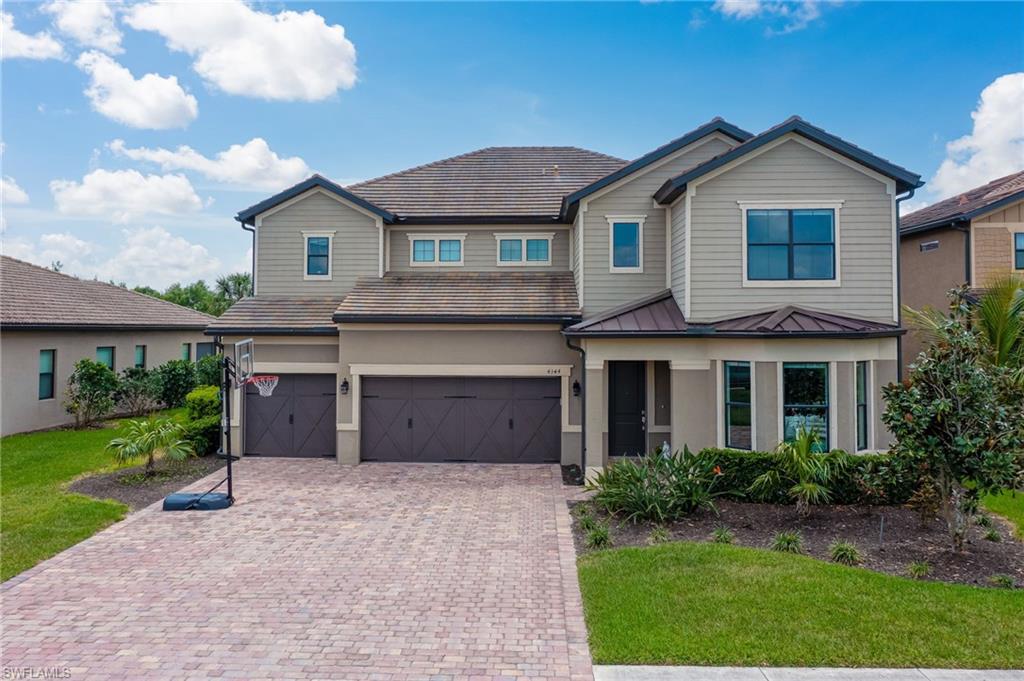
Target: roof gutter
270,331
454,319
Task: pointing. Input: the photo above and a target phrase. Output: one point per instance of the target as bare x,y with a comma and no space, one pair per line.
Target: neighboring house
725,288
49,321
966,239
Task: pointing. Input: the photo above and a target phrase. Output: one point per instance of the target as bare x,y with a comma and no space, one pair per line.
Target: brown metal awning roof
462,297
658,316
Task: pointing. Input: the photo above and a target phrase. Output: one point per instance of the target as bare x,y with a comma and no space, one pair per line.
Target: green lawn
713,604
37,518
1010,505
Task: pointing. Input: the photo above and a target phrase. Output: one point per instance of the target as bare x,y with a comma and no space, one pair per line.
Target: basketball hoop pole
227,373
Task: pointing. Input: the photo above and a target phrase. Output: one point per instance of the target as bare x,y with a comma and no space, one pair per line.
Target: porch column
597,418
694,400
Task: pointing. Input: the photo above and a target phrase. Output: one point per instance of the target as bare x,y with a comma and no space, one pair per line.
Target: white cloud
252,165
152,101
122,195
10,192
64,247
793,16
17,44
90,23
995,145
284,56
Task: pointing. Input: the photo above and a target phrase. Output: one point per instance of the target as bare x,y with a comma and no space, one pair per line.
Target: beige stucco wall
793,172
480,248
19,367
992,243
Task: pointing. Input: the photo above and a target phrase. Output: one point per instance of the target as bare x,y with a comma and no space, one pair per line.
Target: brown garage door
488,420
297,420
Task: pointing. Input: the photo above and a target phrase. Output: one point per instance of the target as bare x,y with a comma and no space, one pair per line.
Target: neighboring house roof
33,297
462,297
570,204
965,206
525,183
248,216
271,315
659,316
905,180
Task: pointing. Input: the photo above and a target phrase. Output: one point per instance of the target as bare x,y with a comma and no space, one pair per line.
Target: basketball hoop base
197,501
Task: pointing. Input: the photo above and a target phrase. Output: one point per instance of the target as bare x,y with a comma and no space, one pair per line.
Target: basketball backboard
245,360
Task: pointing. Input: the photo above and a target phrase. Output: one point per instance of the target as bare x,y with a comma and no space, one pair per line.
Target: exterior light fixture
576,389
344,386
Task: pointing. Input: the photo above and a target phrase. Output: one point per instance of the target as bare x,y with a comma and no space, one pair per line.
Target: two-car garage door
491,420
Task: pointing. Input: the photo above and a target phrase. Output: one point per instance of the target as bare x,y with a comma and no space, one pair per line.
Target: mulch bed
889,538
129,486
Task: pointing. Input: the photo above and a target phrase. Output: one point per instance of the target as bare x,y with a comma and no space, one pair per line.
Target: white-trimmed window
862,388
626,243
318,250
436,250
738,403
790,244
530,249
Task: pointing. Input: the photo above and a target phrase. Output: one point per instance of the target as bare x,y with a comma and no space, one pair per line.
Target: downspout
583,406
966,229
899,285
253,271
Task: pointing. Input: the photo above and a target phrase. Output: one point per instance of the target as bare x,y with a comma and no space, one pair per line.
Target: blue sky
411,83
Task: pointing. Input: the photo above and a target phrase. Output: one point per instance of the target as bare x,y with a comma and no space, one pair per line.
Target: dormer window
436,250
626,243
790,245
528,249
318,249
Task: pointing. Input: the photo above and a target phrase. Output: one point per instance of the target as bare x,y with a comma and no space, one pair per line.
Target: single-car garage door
488,420
297,420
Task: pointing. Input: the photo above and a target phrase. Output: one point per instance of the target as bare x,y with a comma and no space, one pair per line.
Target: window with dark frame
805,401
203,350
738,412
105,355
47,367
791,244
926,246
186,351
318,256
1018,251
861,381
140,356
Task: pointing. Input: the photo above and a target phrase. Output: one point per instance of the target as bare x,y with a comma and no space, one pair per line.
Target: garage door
297,420
488,420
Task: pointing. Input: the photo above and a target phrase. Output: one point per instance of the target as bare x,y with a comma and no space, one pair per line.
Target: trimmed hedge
204,434
203,401
871,478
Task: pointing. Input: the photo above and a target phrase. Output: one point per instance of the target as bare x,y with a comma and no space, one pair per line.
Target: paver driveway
379,571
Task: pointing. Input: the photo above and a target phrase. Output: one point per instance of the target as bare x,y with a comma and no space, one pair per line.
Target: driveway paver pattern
377,571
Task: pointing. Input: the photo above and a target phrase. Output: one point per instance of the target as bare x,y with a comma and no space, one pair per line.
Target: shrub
203,401
722,535
657,488
844,552
177,378
598,537
138,391
983,521
204,434
152,438
659,535
1001,581
208,370
919,569
925,501
804,473
992,534
90,391
788,542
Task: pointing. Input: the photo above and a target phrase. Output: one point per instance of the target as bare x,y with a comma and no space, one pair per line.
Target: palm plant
802,471
234,287
151,438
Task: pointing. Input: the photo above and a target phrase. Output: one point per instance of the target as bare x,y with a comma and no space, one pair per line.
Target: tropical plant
90,391
598,537
138,391
844,552
151,439
788,542
957,418
803,472
234,287
656,487
722,535
177,378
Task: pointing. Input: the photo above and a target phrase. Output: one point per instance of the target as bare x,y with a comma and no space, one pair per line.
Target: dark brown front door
627,408
297,420
488,420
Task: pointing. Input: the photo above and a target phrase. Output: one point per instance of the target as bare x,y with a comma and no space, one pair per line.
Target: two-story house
552,304
970,238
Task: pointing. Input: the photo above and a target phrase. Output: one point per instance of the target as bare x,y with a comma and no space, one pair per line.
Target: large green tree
198,295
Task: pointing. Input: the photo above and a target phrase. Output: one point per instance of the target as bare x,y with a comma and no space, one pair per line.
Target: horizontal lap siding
280,248
602,288
481,249
792,171
679,252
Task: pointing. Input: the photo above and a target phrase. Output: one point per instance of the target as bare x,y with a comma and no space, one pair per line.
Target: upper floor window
105,355
140,356
318,250
47,364
524,249
434,250
626,239
1018,250
797,246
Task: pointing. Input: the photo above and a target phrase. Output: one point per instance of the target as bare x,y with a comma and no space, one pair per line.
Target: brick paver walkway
379,571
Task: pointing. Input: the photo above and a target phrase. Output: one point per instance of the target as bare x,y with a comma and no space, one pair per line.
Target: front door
627,408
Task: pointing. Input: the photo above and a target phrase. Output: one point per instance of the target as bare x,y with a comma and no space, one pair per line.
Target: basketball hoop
265,384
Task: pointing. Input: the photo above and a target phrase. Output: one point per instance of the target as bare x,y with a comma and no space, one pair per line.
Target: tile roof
38,298
659,316
462,296
272,314
970,203
497,181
